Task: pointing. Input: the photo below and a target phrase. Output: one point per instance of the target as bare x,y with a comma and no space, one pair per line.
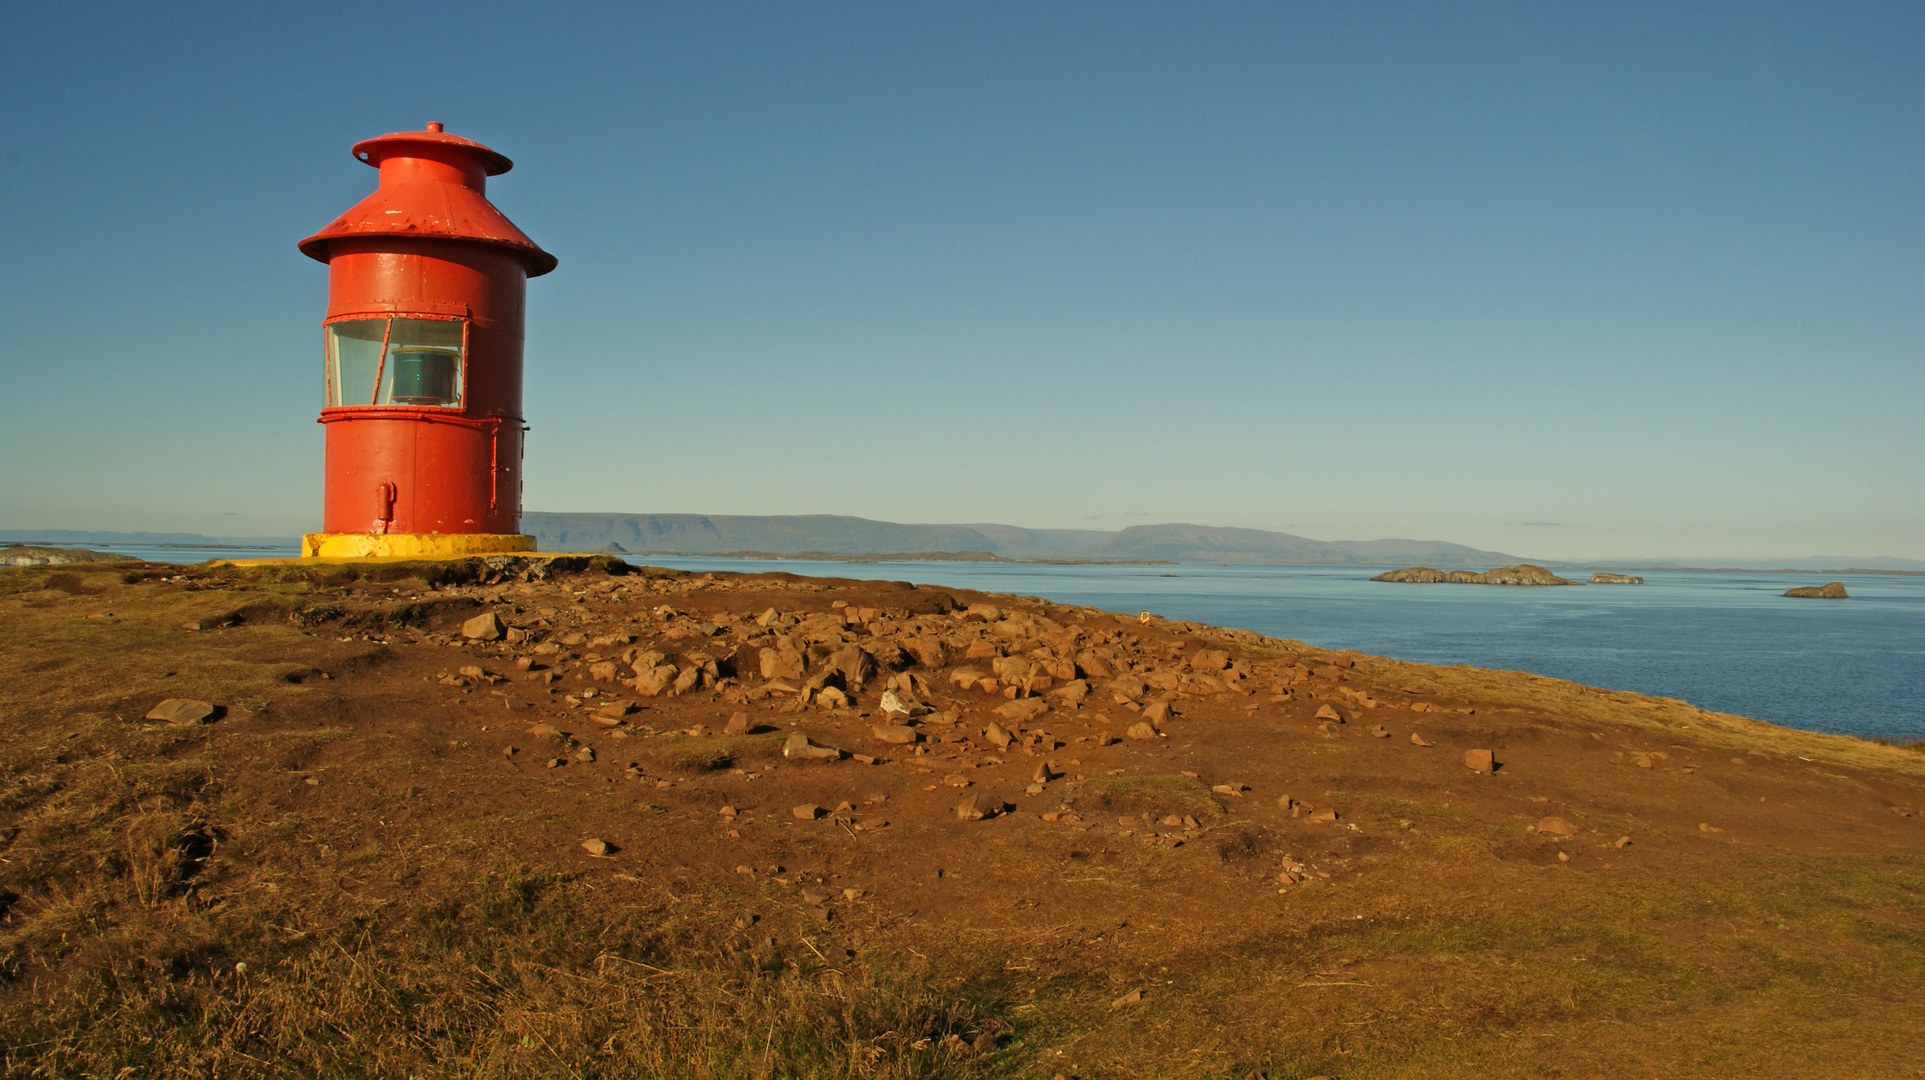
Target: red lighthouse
426,286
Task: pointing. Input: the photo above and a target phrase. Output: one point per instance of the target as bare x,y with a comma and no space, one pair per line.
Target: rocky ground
512,818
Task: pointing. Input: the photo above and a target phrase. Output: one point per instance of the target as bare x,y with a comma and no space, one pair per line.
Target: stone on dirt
799,747
898,734
182,711
1325,712
894,702
601,849
1480,761
738,724
979,806
995,734
1418,740
1141,730
483,627
1023,710
1210,660
806,812
1556,826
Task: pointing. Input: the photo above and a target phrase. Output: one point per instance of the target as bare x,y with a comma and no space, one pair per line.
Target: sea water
1725,641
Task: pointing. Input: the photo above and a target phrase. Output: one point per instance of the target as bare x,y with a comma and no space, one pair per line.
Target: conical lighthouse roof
431,186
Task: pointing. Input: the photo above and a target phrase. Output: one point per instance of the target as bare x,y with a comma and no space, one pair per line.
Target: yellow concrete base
412,545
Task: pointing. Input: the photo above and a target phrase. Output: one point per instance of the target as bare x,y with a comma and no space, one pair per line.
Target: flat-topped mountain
828,534
1521,574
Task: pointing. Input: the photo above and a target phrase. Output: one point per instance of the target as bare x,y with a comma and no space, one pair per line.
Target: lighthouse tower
427,282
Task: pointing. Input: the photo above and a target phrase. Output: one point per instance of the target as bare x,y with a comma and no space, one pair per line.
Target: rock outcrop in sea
1521,574
1615,579
1831,590
28,555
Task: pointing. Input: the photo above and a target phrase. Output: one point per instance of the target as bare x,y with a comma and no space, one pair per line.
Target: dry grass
522,976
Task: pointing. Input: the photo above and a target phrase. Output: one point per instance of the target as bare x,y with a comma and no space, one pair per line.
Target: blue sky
1564,280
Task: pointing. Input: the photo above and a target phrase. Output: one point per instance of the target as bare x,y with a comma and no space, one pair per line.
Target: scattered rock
483,627
1833,590
815,897
979,806
806,812
798,746
1210,660
601,849
1418,740
183,711
1480,761
995,734
1141,730
1130,998
1023,710
902,704
1325,712
652,682
899,734
1324,816
1556,826
1624,841
738,724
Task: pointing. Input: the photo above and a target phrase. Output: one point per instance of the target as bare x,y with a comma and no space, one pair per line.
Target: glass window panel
422,366
354,351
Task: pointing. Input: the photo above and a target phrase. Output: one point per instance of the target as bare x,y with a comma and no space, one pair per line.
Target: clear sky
1566,280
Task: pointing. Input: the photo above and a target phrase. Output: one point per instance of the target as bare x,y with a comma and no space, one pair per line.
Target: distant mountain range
1889,564
715,534
826,534
69,537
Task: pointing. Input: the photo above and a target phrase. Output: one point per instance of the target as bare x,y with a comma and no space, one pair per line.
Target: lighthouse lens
425,376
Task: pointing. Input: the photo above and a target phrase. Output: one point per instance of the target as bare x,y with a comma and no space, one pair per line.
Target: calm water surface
1722,641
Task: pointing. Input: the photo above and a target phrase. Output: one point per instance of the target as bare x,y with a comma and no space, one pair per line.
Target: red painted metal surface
428,245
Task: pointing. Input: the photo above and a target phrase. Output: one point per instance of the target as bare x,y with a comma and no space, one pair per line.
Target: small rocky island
1615,579
30,555
1831,590
1521,574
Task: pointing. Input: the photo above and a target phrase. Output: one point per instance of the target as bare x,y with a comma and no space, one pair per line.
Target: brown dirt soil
369,863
